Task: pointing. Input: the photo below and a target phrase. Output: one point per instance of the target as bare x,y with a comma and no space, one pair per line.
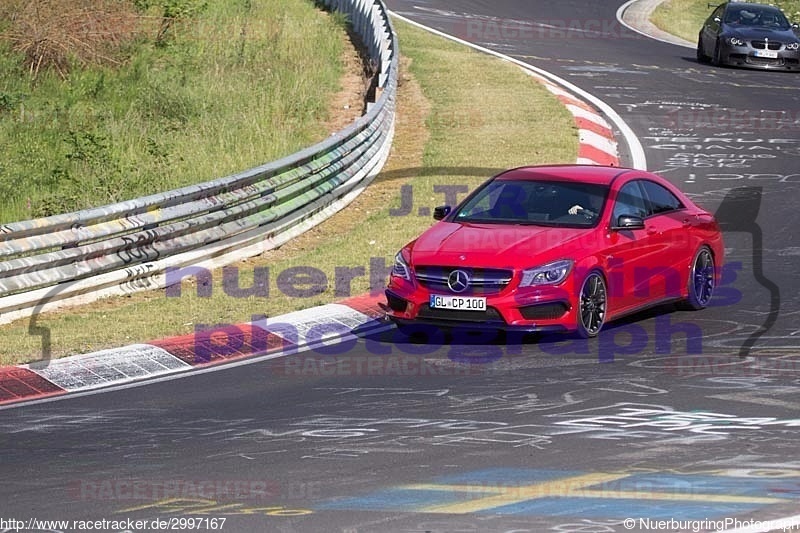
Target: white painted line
598,141
621,19
559,91
639,161
587,161
580,112
335,319
787,523
189,371
107,367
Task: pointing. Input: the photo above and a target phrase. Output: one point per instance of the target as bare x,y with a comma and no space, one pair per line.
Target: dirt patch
350,102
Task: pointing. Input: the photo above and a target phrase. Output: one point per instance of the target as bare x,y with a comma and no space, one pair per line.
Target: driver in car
594,203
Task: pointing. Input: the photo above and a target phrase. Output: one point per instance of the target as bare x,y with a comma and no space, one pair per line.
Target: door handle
651,230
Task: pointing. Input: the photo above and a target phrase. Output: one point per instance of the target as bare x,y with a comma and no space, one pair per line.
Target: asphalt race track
671,415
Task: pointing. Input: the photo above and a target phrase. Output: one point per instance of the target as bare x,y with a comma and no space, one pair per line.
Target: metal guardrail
78,257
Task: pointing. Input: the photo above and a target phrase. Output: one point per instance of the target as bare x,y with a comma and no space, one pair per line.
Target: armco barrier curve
79,257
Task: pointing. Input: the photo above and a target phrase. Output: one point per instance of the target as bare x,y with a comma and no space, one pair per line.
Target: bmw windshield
756,17
541,203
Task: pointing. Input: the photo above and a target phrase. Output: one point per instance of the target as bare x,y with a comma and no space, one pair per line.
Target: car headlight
400,267
793,46
735,41
549,274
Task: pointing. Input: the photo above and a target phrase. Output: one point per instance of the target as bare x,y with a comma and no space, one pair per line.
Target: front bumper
536,309
746,56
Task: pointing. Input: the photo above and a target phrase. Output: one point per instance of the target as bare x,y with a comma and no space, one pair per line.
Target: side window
629,202
716,14
661,200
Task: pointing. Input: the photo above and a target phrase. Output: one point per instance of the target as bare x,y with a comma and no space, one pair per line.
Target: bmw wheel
701,280
701,55
717,60
592,304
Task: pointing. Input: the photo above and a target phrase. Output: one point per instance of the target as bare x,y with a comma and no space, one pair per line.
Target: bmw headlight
400,267
549,274
735,41
793,46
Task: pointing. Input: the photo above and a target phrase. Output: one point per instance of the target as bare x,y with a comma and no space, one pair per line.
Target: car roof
745,5
599,175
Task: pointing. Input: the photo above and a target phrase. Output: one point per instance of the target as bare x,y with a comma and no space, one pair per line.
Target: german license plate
770,54
460,303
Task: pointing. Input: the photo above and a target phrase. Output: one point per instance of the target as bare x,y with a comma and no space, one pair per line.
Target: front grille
764,45
481,280
765,61
548,311
490,315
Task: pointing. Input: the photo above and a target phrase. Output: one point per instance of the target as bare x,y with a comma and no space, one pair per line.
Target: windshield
544,203
757,16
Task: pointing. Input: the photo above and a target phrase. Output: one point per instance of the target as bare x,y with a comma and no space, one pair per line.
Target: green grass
481,112
241,83
684,18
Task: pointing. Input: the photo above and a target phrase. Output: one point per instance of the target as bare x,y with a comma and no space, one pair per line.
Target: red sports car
557,248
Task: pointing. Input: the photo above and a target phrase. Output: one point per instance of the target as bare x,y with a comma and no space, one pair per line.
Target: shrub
57,34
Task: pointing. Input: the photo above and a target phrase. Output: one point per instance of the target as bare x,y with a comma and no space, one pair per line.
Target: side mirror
441,211
796,26
629,222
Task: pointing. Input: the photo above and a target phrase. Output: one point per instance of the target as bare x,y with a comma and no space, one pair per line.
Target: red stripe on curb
586,124
566,100
598,156
366,304
216,345
17,384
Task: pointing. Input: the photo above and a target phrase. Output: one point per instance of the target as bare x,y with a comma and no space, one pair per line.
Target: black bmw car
749,35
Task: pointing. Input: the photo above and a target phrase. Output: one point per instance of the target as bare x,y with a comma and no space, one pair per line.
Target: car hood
499,246
759,33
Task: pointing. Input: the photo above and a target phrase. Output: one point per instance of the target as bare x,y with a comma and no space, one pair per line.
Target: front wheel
701,55
717,60
701,280
592,305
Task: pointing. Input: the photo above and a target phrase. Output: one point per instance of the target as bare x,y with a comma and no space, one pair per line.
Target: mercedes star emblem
458,281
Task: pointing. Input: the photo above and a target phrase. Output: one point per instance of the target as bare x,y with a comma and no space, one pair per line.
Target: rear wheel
701,280
592,304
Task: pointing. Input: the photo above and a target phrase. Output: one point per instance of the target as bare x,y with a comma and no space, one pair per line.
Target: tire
717,59
702,280
592,305
701,55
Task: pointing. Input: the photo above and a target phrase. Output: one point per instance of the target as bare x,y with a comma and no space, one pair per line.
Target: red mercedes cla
557,248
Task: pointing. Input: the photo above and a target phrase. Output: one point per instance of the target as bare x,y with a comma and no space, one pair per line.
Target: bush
58,34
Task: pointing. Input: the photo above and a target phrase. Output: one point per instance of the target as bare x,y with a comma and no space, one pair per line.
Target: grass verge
235,85
684,18
461,115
